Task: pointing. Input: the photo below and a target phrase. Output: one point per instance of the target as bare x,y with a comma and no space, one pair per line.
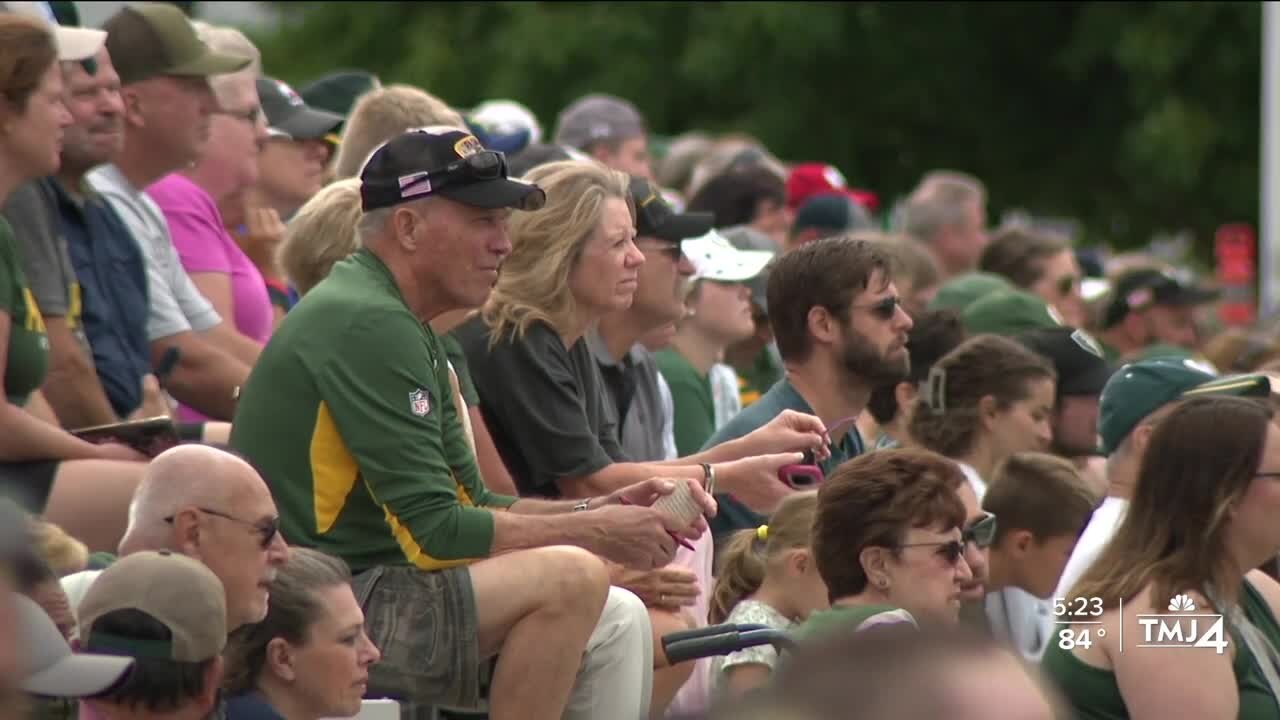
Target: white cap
507,117
715,258
73,43
51,668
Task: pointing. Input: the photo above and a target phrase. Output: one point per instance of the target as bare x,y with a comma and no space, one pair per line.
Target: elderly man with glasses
211,506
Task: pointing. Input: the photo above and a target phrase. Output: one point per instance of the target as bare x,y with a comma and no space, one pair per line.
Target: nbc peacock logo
1182,627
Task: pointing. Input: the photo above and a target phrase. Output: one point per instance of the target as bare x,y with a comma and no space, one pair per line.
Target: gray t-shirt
632,382
43,252
176,305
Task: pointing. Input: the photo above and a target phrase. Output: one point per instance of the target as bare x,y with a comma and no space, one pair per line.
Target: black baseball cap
656,218
1141,288
1076,357
288,115
442,161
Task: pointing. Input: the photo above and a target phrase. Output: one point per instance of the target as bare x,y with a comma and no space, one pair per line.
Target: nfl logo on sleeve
420,402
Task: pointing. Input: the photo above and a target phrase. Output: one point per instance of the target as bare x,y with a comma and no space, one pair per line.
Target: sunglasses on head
477,167
265,529
883,309
981,532
951,550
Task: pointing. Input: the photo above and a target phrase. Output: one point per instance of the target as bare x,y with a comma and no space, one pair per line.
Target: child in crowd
1043,505
767,577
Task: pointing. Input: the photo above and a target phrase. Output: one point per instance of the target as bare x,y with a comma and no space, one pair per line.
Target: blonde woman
541,392
321,233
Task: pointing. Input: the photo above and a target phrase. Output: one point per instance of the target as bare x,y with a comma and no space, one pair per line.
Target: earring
883,583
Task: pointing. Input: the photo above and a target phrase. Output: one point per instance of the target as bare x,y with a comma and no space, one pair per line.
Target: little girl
767,577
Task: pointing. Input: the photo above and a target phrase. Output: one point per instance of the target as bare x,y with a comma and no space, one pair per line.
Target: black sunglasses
1066,284
981,532
884,309
265,529
950,550
673,251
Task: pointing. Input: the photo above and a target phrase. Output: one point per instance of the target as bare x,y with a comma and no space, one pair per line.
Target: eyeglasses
480,166
950,550
981,532
252,116
884,309
265,529
673,251
1066,284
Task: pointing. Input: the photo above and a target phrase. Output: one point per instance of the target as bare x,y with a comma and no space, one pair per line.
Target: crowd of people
324,396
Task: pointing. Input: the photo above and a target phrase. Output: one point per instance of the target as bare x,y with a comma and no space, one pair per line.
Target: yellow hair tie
762,532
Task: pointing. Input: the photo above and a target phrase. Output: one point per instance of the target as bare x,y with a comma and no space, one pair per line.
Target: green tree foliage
1135,117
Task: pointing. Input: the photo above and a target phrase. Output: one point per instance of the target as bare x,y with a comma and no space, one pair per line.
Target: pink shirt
204,245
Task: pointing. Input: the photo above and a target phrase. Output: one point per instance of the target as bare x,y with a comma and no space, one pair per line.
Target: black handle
721,640
710,630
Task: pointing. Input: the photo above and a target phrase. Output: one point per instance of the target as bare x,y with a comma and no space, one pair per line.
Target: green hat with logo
959,292
1140,388
1008,312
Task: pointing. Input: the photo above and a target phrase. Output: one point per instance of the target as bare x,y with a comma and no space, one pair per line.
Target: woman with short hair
888,541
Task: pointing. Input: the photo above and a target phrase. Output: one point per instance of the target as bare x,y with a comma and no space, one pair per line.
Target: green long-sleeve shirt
348,415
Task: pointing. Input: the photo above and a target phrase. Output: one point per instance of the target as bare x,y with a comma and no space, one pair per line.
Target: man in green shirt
841,331
348,415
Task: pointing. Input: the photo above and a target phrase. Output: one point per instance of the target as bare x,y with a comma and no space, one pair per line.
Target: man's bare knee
570,576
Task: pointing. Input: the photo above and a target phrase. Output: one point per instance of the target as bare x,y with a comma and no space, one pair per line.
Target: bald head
186,476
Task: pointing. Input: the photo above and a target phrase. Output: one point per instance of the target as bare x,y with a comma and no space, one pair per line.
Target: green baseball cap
1140,388
1008,312
1165,350
147,40
337,92
959,292
1255,385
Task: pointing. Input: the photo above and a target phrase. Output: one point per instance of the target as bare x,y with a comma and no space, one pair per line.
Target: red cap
809,179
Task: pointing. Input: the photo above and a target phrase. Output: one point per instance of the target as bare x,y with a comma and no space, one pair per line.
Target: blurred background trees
1134,118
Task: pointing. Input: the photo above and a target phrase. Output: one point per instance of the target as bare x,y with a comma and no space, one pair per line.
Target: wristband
709,478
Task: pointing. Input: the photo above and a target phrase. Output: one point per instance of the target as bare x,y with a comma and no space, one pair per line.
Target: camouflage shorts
425,625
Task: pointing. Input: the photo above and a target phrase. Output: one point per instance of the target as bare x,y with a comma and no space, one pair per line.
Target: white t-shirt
1101,528
1022,619
975,480
725,395
668,420
175,304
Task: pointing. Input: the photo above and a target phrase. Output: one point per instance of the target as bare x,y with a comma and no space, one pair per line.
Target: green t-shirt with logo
27,358
348,414
693,410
